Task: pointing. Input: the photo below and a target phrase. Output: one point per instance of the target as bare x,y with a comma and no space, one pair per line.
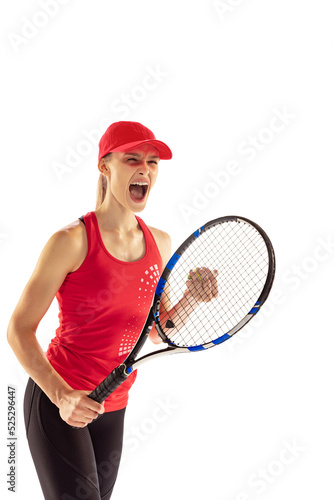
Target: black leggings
72,464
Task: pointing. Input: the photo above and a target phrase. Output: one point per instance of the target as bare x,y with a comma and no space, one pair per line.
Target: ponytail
102,184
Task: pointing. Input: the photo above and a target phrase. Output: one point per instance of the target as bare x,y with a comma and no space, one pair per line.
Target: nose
144,168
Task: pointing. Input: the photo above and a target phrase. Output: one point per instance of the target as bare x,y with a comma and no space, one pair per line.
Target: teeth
139,183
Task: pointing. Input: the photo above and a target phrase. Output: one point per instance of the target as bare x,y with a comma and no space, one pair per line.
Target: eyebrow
135,154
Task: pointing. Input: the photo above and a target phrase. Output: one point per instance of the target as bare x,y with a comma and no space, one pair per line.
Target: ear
103,164
103,168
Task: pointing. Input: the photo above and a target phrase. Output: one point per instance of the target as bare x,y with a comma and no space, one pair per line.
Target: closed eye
135,159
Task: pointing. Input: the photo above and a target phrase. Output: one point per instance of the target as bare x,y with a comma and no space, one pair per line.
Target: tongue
137,192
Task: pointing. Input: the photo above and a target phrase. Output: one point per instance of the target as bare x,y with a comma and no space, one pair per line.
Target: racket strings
238,252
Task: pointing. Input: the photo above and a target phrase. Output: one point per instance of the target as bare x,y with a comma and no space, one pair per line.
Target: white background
225,72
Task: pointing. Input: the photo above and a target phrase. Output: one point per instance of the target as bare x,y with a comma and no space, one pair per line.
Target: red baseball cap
124,135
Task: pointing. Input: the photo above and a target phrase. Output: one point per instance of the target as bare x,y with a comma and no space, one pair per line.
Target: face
132,175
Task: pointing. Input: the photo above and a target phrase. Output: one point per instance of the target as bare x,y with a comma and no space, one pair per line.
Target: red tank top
103,307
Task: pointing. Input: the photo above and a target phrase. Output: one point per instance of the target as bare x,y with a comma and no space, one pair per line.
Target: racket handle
109,384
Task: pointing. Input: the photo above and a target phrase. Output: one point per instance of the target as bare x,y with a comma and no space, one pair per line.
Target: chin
137,207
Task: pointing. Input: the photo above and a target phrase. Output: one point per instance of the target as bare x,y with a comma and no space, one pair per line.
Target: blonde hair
102,183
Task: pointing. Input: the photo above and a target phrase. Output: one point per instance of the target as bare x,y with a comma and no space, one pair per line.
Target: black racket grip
109,384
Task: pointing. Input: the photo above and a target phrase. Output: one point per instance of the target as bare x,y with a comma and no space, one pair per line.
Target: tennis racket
214,283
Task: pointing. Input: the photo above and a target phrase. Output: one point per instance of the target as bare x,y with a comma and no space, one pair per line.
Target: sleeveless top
103,306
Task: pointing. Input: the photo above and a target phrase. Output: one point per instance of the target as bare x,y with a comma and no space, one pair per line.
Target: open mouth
138,190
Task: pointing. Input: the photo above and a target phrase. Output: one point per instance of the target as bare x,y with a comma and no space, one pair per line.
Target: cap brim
164,151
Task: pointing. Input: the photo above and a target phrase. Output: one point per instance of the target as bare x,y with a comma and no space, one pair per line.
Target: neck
114,216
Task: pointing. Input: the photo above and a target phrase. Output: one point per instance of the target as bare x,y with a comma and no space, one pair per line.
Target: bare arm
201,286
56,260
164,244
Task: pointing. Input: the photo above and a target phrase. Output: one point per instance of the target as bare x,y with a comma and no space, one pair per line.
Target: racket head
243,254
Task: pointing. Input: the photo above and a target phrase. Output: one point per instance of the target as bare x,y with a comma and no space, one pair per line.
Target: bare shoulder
159,234
163,240
74,229
71,239
60,256
68,246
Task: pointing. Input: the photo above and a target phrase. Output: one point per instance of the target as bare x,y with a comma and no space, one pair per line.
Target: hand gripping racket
229,259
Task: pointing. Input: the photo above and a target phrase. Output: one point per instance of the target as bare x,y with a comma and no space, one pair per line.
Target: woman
103,269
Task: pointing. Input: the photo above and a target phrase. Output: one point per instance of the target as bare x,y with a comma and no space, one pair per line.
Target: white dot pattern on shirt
131,333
